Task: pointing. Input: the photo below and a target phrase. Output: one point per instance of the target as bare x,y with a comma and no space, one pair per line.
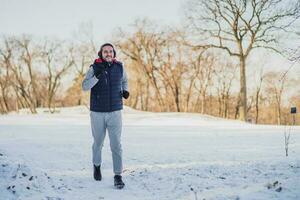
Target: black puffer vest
106,94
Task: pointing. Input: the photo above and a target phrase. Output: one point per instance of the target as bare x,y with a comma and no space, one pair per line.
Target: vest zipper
109,74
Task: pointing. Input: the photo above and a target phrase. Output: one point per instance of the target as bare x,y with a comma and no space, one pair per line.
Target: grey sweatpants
112,122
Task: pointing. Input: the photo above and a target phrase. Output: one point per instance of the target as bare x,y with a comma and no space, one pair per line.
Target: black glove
125,94
98,70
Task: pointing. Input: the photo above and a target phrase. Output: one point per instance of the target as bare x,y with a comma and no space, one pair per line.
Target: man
107,80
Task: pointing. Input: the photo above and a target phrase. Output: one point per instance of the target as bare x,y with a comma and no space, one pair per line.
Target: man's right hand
98,71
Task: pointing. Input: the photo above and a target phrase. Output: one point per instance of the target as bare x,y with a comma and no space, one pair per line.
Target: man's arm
124,80
90,80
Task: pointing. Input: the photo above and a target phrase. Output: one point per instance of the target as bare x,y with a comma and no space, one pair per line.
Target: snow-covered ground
166,156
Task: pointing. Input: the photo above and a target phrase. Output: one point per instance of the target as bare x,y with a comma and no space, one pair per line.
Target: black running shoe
97,173
119,184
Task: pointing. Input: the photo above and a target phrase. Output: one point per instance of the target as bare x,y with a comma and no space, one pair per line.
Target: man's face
107,53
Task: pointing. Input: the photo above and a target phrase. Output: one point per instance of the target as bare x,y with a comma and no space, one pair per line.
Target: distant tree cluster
200,68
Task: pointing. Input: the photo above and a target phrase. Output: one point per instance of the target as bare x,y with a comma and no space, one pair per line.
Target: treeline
165,75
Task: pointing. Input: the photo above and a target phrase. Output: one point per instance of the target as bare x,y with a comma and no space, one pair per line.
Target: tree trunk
203,103
5,101
177,98
243,90
257,106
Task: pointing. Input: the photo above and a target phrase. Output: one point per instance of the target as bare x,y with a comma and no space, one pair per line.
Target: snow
180,156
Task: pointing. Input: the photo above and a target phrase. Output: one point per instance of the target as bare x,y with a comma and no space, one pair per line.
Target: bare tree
276,87
18,61
83,55
257,95
225,75
205,65
143,47
5,78
172,68
57,62
239,26
28,56
192,75
4,86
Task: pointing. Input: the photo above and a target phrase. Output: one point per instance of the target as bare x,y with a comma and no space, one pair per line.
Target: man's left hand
125,94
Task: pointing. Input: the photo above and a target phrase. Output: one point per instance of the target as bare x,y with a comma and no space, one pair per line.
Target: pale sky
60,18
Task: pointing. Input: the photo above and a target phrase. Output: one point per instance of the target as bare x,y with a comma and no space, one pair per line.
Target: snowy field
166,156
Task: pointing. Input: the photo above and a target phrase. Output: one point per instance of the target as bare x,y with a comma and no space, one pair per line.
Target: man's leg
98,131
114,127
